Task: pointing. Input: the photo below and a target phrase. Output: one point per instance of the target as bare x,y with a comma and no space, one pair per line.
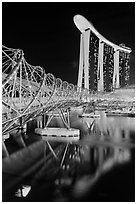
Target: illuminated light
57,181
68,167
23,191
63,167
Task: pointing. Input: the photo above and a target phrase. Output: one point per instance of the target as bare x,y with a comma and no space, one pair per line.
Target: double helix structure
27,91
103,65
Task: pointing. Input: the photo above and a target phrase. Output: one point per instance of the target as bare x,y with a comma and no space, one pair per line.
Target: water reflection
76,170
115,129
91,163
71,170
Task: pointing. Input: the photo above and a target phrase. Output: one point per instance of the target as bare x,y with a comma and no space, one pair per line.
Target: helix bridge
28,91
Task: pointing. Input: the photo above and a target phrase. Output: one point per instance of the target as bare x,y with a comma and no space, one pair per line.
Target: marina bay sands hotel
103,65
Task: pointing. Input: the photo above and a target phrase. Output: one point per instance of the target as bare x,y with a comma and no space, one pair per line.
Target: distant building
124,69
103,65
93,62
108,67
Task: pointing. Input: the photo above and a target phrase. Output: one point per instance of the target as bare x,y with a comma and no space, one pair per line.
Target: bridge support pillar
84,60
100,66
116,69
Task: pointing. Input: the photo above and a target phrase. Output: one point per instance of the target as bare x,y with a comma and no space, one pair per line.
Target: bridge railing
28,91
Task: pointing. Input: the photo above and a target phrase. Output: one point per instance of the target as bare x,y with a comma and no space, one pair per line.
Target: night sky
49,38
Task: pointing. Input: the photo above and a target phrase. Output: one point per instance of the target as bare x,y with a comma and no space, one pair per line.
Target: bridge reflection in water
99,167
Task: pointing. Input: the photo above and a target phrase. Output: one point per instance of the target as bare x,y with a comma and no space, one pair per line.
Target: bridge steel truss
27,91
100,57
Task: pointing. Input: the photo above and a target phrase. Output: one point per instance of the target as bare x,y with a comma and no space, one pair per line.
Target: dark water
99,167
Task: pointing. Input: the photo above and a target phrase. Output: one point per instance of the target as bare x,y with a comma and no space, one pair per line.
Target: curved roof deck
83,24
